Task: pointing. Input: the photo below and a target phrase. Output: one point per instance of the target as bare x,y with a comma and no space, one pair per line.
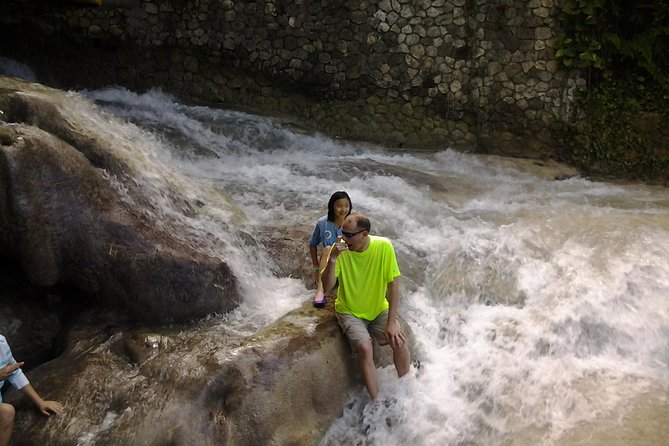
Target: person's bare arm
313,251
393,331
6,371
328,275
44,406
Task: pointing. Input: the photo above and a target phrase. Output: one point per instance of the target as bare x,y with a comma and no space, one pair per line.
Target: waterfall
536,306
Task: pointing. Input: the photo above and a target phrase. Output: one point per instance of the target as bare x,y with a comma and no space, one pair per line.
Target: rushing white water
536,306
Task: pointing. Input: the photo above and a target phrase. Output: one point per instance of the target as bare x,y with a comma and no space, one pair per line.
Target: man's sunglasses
351,234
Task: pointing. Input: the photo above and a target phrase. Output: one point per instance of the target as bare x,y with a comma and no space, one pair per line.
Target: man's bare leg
368,368
402,359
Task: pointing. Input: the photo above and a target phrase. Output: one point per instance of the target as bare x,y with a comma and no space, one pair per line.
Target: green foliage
581,47
623,48
620,132
616,38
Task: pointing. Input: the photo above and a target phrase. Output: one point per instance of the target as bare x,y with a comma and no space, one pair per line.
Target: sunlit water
536,306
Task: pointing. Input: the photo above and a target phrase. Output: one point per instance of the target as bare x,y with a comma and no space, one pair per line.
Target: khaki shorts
360,330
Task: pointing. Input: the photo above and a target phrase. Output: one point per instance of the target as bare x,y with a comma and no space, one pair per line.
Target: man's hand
394,334
6,371
337,248
328,274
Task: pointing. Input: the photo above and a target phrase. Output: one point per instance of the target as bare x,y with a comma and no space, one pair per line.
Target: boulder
64,222
31,318
128,386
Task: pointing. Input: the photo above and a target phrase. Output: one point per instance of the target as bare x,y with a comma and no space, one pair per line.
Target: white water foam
535,305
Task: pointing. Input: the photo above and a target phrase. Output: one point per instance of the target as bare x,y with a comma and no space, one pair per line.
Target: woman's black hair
338,196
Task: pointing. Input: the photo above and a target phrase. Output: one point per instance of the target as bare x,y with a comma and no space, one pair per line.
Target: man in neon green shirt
368,296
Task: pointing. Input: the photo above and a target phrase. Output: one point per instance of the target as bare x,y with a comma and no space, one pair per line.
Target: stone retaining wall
477,74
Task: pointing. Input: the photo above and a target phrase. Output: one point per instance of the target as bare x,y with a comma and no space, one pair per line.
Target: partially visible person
367,297
326,232
11,370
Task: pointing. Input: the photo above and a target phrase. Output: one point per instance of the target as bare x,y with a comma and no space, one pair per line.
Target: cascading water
538,308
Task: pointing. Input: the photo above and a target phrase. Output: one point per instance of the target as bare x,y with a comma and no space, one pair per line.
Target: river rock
63,222
129,386
31,318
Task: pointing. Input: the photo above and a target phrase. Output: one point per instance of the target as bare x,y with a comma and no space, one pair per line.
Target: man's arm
393,331
328,275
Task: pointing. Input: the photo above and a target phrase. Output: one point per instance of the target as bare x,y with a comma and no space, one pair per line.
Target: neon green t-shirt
364,277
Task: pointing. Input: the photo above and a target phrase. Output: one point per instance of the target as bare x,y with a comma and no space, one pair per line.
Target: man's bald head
360,221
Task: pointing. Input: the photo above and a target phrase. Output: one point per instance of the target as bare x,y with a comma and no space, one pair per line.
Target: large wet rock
32,318
63,221
125,382
122,386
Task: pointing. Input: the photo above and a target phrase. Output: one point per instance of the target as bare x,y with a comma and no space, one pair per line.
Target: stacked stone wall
479,74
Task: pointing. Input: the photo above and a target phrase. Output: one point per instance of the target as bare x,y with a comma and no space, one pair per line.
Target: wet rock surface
34,319
193,385
65,222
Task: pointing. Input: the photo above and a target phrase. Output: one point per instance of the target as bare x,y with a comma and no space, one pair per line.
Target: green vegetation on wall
619,125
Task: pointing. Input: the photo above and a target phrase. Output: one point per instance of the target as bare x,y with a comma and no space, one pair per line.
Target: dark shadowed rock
123,386
64,222
31,318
